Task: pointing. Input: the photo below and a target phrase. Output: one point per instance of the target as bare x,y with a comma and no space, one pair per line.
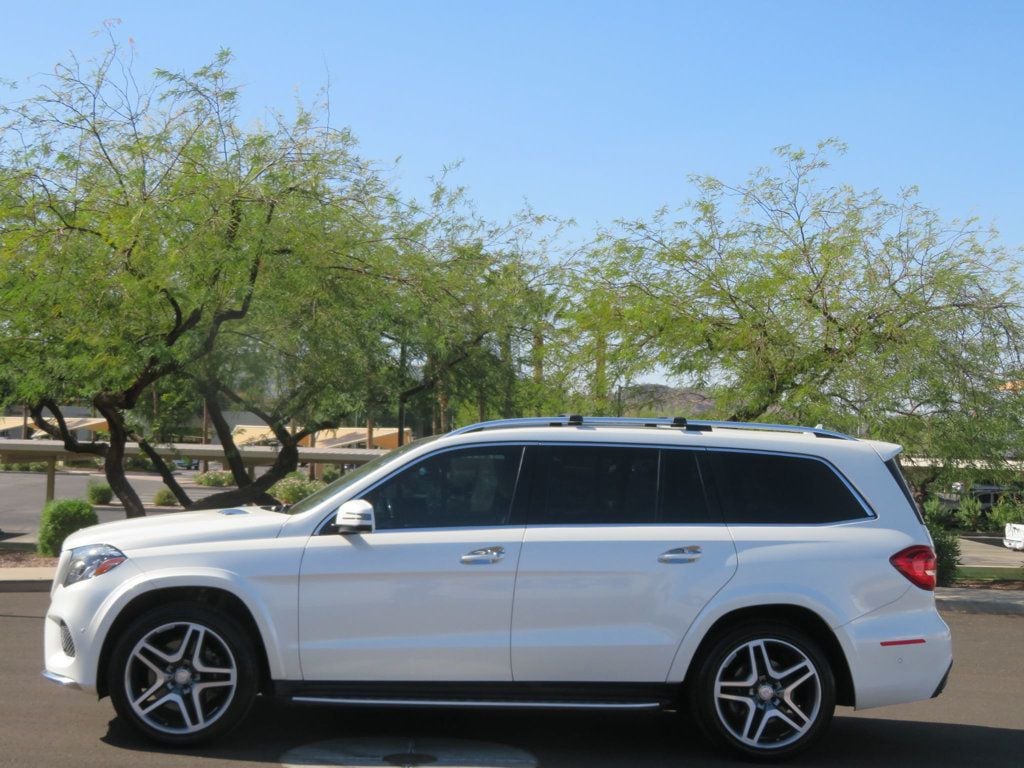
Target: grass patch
989,574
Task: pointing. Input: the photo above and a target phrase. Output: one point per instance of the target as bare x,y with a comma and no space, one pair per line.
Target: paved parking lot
978,721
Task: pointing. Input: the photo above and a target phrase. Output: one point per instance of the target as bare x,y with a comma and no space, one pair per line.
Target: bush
139,464
295,487
60,519
164,498
947,542
1006,511
968,514
215,479
99,493
331,473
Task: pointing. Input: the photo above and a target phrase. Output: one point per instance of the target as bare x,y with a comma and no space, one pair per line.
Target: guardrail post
51,477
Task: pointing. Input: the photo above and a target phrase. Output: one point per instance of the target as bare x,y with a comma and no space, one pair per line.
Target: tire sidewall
224,625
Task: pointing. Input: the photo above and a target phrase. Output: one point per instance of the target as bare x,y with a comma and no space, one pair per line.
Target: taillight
917,563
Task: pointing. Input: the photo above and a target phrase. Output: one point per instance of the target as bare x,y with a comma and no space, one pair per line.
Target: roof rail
677,422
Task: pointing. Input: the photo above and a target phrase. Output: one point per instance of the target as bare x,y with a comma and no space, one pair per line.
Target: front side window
763,488
466,487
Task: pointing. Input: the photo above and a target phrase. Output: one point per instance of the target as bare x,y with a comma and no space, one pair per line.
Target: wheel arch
215,597
796,616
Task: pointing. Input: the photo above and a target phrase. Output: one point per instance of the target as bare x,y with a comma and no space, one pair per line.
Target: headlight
90,561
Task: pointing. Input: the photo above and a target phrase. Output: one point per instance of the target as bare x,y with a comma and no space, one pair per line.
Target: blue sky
598,110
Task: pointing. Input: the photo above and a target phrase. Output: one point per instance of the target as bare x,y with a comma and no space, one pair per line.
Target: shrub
164,498
946,542
38,466
968,513
1006,511
99,493
331,473
215,479
295,487
60,519
139,464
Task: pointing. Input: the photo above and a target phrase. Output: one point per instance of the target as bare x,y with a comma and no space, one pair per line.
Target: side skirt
498,695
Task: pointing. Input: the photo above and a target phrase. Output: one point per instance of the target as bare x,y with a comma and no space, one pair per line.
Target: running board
495,704
490,695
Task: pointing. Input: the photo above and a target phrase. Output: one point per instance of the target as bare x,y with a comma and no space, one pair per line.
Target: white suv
752,575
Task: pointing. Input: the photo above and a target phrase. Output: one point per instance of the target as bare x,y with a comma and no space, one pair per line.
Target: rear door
621,552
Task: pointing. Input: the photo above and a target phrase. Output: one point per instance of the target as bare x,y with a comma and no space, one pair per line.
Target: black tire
764,690
183,673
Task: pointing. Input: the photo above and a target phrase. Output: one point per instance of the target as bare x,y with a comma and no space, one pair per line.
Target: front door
428,595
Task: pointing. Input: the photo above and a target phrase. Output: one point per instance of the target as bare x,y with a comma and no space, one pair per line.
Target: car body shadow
591,740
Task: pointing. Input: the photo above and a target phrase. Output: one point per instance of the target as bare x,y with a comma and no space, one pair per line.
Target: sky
598,111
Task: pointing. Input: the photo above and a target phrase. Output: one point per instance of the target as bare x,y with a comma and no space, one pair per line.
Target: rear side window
575,485
897,475
615,485
762,488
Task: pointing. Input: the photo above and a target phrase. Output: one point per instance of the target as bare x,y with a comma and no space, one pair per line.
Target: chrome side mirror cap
355,516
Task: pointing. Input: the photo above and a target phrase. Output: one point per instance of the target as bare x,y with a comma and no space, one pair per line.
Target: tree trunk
165,472
113,462
256,491
220,424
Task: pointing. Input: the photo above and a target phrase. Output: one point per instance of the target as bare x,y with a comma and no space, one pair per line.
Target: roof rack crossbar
693,425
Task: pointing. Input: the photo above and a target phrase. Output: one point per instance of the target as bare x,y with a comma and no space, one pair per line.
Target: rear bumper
942,683
900,653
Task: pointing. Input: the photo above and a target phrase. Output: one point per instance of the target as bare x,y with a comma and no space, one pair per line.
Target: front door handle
484,556
688,554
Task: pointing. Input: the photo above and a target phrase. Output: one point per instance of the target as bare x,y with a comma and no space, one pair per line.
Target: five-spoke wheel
766,690
183,673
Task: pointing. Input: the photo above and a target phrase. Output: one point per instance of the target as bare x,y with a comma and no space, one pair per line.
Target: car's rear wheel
183,674
766,690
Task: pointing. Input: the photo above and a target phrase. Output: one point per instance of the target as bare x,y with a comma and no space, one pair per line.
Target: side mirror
355,516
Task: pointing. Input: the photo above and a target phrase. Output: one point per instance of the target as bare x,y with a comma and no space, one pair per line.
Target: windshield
353,476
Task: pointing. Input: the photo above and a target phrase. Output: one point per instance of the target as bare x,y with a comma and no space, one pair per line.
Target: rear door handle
484,556
688,554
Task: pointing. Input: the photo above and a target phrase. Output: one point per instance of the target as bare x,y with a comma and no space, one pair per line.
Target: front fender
277,633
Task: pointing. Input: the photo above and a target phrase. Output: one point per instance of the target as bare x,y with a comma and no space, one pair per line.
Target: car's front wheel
764,689
183,673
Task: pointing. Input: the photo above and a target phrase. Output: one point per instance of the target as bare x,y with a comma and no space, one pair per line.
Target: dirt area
982,584
12,559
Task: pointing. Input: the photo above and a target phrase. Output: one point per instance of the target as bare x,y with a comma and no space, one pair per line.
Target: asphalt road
978,721
22,495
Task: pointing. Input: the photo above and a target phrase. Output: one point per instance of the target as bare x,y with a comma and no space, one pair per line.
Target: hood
175,528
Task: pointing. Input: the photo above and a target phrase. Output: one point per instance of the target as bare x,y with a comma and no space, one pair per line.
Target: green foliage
947,551
1008,510
968,513
215,479
796,301
99,493
164,498
295,487
61,518
331,473
946,541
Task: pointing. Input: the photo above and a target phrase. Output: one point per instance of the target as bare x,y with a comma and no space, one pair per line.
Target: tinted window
469,487
594,484
766,488
681,497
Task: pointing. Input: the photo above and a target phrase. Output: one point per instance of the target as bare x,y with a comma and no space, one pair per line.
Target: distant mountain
662,400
